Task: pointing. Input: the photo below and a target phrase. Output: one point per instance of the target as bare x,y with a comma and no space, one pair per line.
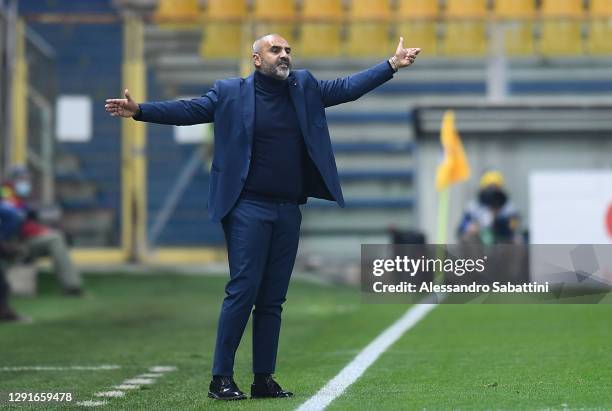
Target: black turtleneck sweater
277,164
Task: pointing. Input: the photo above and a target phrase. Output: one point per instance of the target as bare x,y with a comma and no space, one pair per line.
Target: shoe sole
216,397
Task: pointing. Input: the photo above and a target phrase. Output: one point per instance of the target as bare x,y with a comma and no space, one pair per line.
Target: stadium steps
161,42
431,77
87,216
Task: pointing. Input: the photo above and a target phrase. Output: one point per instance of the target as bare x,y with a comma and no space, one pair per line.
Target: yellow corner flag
454,167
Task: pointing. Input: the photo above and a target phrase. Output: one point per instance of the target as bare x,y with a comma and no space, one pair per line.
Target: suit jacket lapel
247,99
296,91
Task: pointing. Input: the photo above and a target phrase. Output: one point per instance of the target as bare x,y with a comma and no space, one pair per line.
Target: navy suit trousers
262,241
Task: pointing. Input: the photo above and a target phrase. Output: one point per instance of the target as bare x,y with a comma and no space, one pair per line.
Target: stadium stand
560,37
226,9
561,28
322,9
368,31
465,29
471,9
599,28
222,29
517,18
562,8
321,28
600,8
177,11
514,9
418,23
422,9
275,16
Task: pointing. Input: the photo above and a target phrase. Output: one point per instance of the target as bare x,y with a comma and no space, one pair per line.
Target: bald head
272,56
267,39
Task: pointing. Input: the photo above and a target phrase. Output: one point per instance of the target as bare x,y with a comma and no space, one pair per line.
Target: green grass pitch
459,357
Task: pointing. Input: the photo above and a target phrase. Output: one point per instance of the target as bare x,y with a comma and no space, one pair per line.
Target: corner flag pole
443,205
453,169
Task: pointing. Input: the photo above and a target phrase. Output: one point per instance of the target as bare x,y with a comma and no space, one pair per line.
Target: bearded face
272,56
278,69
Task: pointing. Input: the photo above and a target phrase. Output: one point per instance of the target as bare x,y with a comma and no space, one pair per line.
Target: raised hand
123,107
404,57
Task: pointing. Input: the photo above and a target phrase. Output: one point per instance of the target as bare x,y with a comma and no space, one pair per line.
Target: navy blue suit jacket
230,104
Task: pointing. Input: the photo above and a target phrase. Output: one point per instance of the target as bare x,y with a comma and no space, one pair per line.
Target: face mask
492,197
23,188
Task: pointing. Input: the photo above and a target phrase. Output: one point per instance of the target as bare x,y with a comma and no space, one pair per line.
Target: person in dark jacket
272,152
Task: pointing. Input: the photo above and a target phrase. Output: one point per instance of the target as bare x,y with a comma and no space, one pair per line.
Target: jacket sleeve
350,88
181,112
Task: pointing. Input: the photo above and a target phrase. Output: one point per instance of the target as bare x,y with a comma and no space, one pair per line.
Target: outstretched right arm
178,112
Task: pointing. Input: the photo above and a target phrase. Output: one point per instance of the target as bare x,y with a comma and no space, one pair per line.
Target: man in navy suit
272,152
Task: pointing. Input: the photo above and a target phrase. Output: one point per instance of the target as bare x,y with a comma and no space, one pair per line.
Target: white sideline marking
142,381
90,403
110,394
126,387
351,372
162,368
150,375
69,368
119,390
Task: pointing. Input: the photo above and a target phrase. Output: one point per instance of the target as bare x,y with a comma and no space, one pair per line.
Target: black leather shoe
268,388
8,315
224,388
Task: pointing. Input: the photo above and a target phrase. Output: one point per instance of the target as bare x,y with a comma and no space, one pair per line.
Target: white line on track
68,368
349,374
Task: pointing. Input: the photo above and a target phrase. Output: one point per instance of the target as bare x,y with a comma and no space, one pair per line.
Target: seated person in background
10,221
40,239
492,218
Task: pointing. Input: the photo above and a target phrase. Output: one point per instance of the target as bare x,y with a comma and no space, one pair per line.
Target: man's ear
256,60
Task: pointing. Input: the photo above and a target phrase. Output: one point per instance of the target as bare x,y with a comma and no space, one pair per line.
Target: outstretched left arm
350,88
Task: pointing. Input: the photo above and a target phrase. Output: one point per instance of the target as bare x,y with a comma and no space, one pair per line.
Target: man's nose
283,53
